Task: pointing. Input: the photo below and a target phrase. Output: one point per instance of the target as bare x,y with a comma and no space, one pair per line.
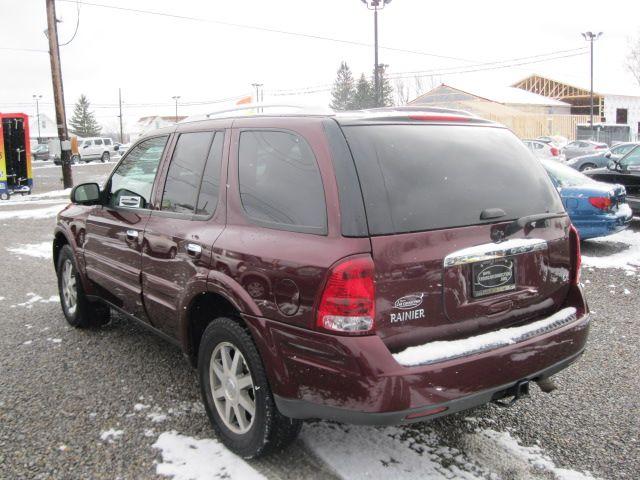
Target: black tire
270,430
86,313
587,166
105,157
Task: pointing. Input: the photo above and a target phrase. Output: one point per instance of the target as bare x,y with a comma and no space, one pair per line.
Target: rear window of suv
429,177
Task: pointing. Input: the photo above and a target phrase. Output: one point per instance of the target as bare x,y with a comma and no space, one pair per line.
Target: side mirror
607,155
86,194
116,148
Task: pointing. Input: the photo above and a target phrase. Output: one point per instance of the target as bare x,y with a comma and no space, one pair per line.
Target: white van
94,148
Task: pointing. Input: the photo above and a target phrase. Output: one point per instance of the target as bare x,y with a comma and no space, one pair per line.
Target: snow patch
157,417
111,435
32,214
442,350
37,250
140,406
627,259
357,452
187,458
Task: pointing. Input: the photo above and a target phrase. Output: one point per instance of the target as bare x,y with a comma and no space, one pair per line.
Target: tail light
576,258
600,147
555,152
348,300
603,203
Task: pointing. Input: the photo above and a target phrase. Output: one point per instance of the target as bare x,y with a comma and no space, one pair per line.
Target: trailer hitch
518,391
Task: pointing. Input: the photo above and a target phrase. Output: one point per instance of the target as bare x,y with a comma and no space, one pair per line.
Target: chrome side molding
490,251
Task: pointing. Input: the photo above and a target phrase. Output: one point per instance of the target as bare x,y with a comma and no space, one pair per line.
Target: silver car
582,147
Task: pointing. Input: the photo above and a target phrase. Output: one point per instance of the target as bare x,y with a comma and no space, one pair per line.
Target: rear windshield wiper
537,220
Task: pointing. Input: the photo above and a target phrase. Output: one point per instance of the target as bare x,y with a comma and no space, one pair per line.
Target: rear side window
98,141
210,187
428,177
185,172
280,184
107,141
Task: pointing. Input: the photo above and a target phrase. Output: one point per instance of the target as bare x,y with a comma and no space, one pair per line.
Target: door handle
132,235
194,249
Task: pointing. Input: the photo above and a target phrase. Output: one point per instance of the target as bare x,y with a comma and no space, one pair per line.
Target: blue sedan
595,208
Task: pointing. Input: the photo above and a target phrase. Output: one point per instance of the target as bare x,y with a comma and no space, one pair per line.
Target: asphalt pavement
92,403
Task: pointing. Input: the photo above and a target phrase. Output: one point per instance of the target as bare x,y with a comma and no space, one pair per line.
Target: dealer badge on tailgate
493,276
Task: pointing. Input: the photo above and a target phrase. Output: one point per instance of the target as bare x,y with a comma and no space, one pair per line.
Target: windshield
565,176
418,177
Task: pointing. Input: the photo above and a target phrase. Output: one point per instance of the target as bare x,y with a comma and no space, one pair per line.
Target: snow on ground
52,196
621,250
187,458
32,214
33,298
355,452
111,435
37,250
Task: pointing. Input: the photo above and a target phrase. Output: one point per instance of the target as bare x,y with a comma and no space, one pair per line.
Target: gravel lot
61,389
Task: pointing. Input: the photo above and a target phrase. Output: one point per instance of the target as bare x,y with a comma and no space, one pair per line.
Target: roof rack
260,107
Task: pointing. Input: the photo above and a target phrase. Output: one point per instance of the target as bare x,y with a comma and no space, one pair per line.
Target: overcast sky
154,57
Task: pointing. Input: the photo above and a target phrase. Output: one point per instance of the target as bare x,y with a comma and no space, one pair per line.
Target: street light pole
176,98
376,5
37,98
591,37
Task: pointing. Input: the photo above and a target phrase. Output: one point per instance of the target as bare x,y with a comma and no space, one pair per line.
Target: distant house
47,131
496,99
612,109
529,115
145,124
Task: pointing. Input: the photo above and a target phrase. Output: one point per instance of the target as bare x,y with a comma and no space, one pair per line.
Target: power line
265,29
77,25
14,49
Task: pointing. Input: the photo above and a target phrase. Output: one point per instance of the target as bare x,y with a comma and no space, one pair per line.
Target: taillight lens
603,203
600,147
348,300
555,152
576,258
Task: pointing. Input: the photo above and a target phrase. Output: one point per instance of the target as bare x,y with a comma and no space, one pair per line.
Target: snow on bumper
446,350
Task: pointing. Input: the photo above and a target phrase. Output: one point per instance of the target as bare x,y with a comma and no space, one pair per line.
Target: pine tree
364,95
83,123
386,91
343,90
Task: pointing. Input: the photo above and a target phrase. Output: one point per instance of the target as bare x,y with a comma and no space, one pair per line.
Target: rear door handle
194,249
132,235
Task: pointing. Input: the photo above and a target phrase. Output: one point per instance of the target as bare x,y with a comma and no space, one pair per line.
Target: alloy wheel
232,388
69,290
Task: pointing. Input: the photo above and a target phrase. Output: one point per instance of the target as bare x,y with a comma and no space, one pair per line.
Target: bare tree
633,59
402,92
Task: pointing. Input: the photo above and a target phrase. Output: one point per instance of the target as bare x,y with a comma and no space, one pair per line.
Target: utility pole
120,107
376,5
58,94
176,98
591,37
37,98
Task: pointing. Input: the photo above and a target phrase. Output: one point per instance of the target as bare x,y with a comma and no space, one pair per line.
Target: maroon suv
376,267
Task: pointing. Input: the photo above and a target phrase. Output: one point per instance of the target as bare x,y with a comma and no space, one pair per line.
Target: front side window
132,181
280,183
98,141
185,172
107,141
622,149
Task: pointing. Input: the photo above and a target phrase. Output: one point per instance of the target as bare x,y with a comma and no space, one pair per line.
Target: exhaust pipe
546,385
